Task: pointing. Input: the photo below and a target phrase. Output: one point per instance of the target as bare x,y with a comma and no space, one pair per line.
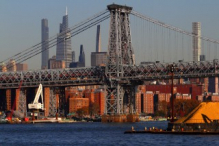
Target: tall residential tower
45,43
98,41
196,29
63,50
98,58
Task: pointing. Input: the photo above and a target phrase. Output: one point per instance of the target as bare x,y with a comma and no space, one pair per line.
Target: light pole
172,67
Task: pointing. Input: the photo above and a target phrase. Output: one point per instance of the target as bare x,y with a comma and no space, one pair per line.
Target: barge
203,120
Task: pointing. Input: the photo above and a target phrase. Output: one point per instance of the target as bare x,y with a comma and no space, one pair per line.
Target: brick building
77,103
99,99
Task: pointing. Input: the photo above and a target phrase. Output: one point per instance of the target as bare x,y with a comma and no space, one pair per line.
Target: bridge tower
120,54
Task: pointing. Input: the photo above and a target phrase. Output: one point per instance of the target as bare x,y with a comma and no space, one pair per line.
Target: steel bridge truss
155,71
52,77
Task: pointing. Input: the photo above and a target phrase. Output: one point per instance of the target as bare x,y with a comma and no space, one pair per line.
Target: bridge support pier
63,106
50,102
129,99
3,105
216,71
8,99
21,102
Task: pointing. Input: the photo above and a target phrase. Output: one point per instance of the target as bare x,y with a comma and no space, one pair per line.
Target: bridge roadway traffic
97,75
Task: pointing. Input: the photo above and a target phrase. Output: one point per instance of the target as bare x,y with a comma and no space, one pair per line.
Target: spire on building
66,11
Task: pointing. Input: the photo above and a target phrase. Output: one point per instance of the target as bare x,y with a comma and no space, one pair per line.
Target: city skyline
179,14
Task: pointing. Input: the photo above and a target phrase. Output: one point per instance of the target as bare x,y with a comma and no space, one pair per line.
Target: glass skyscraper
82,56
63,50
45,43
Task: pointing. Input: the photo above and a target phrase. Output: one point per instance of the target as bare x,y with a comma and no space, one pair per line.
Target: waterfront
93,133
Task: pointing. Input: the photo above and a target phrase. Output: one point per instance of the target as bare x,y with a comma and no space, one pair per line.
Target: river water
94,134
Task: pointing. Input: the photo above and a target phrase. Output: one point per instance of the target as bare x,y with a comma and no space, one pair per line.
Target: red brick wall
99,99
148,103
77,103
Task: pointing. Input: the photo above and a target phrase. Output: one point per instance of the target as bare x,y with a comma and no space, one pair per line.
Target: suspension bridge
161,45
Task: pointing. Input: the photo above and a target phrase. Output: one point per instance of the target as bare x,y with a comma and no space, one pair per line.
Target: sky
20,21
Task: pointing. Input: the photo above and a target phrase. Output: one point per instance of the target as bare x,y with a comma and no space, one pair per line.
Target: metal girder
88,76
53,77
155,71
129,98
22,102
119,53
52,103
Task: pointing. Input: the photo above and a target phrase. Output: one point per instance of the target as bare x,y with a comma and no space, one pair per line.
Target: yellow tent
205,109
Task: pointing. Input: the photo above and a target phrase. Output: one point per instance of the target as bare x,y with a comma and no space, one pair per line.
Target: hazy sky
20,21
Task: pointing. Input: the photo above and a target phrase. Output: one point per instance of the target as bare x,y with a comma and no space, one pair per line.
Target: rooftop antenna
66,11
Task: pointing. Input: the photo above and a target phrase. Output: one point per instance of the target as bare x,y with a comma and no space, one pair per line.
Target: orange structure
8,99
90,95
138,102
77,103
99,99
46,100
209,109
148,103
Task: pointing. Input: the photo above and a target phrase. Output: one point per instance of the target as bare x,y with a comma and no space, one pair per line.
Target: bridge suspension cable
160,42
171,27
52,41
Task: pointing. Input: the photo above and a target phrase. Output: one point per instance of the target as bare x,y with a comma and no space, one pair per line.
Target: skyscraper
73,56
82,56
196,29
81,60
45,43
98,41
98,57
63,50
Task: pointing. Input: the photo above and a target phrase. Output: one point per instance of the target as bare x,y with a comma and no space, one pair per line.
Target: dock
172,132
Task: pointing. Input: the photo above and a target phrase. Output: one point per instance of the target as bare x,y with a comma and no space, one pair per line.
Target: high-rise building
55,64
22,67
3,67
81,60
202,57
45,43
98,58
73,56
11,65
98,41
82,56
63,50
196,29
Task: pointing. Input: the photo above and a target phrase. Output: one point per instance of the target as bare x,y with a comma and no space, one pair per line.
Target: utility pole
172,67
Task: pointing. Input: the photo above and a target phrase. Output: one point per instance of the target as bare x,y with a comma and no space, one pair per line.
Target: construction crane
36,105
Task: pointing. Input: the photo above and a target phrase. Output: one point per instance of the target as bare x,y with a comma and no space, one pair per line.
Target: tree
184,107
81,112
93,109
162,108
